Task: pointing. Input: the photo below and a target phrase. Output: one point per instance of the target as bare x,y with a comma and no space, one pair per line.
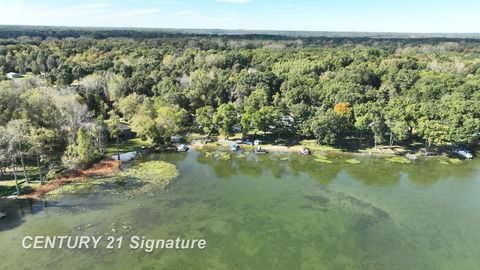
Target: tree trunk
118,147
24,169
39,171
16,178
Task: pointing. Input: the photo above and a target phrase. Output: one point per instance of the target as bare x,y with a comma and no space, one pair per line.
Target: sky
413,16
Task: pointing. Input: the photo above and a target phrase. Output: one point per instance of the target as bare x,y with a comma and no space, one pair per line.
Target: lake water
270,212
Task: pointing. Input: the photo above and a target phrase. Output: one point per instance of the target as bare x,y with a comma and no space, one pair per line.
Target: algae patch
322,159
85,186
352,161
140,178
400,160
154,175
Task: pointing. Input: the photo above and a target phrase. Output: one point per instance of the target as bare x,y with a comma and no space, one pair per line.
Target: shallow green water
270,212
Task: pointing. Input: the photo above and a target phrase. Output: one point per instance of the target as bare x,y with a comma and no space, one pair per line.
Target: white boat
411,157
235,147
182,148
2,215
463,153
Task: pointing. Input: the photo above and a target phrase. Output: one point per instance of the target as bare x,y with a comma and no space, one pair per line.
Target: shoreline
385,151
101,168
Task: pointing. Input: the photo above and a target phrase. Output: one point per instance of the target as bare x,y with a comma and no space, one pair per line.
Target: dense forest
80,87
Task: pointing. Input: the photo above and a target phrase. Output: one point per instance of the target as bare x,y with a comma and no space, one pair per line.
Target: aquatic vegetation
154,175
444,162
82,187
225,156
352,161
400,160
323,160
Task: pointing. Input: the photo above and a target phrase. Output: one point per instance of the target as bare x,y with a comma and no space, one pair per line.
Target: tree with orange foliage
342,108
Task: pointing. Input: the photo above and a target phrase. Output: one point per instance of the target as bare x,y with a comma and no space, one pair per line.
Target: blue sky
310,15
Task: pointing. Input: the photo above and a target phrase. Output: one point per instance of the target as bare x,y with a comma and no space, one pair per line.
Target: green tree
42,144
204,118
226,119
113,124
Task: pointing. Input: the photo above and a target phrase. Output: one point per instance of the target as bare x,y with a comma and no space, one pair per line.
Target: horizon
226,31
373,16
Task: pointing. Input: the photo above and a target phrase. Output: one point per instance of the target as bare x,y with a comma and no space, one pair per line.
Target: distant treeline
308,38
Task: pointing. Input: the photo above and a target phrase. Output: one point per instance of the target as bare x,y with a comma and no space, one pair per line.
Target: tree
113,124
204,118
41,146
129,105
9,153
82,153
268,118
18,134
169,121
226,119
330,128
144,127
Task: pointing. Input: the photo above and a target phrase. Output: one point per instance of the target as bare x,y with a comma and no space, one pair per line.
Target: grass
313,146
126,146
7,188
7,182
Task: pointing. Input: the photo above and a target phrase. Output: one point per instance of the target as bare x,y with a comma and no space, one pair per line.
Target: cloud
234,1
167,2
185,13
133,13
95,6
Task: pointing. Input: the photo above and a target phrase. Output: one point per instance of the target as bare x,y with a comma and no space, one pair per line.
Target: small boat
463,153
2,215
182,148
260,150
411,157
305,151
235,147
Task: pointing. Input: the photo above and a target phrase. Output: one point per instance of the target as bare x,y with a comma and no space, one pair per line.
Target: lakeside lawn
125,146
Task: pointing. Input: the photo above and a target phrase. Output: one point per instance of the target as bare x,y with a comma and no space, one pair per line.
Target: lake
268,212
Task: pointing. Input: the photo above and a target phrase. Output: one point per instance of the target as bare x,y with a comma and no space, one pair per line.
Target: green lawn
7,188
125,146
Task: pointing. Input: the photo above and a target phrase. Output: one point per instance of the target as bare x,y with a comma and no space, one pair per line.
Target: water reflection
16,210
371,170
